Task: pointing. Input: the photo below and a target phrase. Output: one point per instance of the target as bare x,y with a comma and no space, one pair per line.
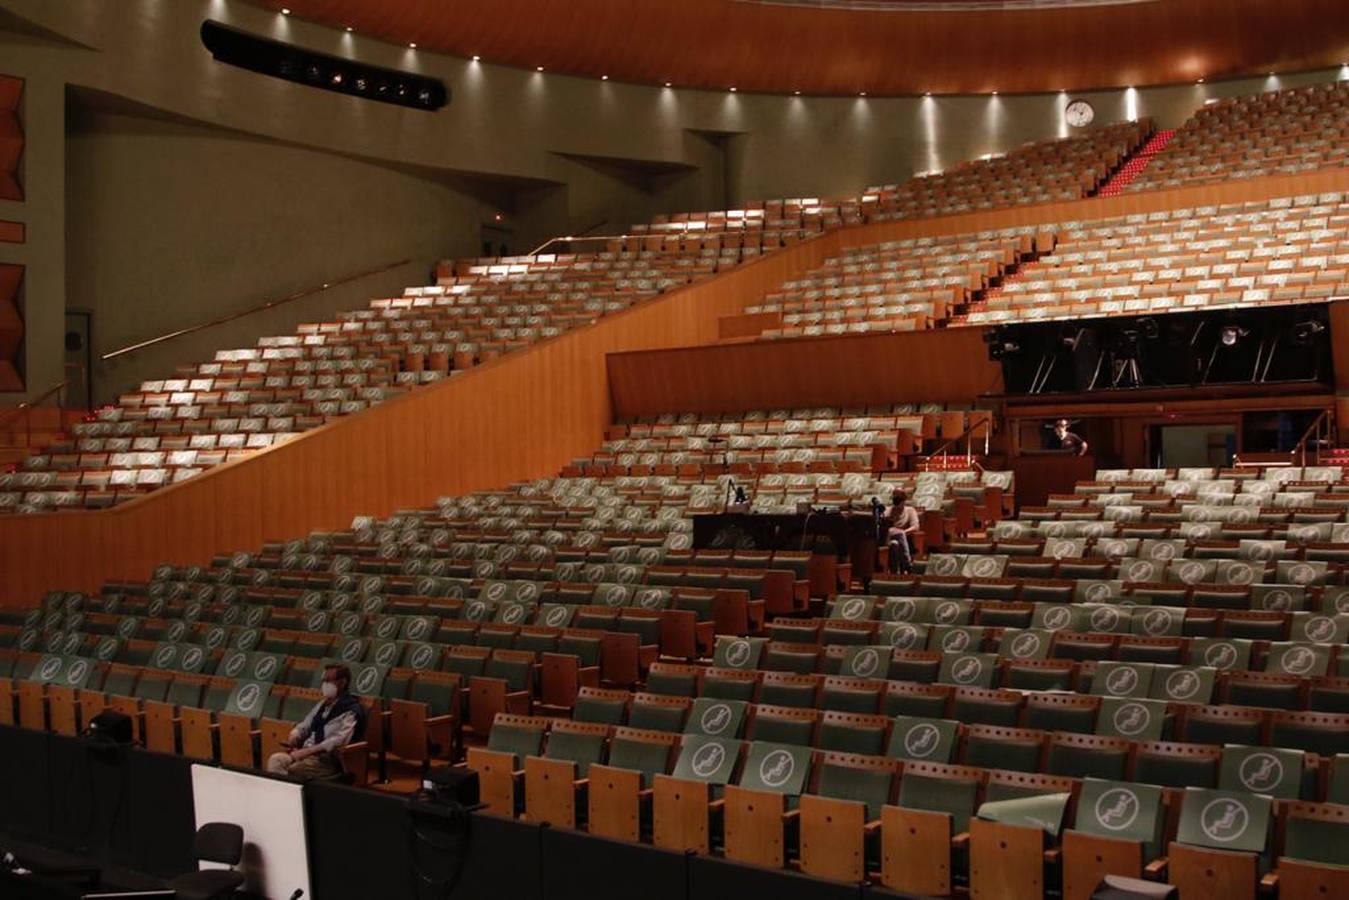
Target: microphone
299,892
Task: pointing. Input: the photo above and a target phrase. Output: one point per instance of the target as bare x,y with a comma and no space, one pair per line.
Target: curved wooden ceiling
770,47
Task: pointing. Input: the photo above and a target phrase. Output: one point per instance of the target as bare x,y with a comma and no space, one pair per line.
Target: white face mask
329,689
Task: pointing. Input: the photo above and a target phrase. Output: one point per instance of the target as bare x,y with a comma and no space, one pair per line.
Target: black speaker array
319,70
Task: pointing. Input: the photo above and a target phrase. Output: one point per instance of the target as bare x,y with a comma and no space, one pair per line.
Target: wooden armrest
961,840
872,827
644,793
1155,869
716,804
791,814
447,719
1052,855
1270,882
581,783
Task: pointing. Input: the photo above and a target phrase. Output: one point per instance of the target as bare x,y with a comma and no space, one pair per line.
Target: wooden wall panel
11,137
949,365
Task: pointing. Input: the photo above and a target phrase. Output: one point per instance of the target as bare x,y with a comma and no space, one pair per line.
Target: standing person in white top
903,525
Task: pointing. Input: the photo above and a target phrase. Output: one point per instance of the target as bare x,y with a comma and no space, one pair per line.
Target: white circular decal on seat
1157,621
1221,655
248,697
1104,618
738,654
1025,645
776,768
922,740
1182,685
1260,773
1122,681
1224,820
715,719
955,641
866,663
708,759
967,670
1298,660
1131,719
1117,808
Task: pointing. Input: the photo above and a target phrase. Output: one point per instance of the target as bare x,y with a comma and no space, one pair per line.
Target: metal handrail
1313,430
263,307
966,436
582,235
25,409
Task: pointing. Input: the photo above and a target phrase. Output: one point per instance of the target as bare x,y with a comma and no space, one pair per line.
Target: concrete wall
554,154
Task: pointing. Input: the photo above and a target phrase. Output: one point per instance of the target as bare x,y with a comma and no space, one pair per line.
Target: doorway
1176,446
79,361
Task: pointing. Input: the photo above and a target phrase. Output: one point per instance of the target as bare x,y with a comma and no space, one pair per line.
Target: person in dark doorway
1069,441
334,722
903,521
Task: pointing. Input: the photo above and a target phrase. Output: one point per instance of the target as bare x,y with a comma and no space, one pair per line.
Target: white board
271,813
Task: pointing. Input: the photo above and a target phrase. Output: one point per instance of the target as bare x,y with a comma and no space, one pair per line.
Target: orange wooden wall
950,365
521,416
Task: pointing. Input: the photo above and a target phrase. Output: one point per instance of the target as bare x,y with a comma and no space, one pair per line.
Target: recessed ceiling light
797,93
285,11
667,84
477,58
604,78
1199,81
995,93
861,93
538,68
732,90
413,45
927,93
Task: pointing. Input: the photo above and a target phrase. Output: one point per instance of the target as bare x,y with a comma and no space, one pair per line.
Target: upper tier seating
1273,133
819,440
1040,172
249,399
1289,250
898,285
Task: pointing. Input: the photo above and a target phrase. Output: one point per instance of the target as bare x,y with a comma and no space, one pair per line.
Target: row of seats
924,826
1276,132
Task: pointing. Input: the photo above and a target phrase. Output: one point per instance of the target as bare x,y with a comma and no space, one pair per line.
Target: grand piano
843,534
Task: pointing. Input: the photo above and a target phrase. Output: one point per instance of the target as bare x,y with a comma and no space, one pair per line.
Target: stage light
1148,329
796,93
1231,334
285,11
361,83
337,78
538,68
1304,332
350,29
732,90
862,94
477,58
604,78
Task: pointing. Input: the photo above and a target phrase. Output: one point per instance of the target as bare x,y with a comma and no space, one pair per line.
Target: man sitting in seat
333,723
903,525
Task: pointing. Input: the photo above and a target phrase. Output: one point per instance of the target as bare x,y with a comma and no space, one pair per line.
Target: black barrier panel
362,843
719,879
90,792
163,820
504,860
25,808
580,867
358,843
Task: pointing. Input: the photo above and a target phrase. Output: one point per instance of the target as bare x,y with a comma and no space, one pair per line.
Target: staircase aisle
1135,164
